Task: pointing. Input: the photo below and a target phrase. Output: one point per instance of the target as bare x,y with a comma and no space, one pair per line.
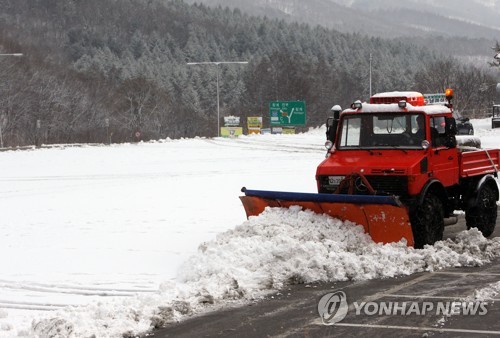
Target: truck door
443,158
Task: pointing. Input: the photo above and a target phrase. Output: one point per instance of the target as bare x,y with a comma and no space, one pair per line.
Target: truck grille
391,185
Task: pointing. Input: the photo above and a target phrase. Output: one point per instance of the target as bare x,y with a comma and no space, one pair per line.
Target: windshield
381,130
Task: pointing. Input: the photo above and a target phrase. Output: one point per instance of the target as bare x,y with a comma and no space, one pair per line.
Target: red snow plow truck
394,166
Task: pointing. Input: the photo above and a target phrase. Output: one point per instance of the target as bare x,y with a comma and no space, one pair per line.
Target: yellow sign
231,131
288,131
253,131
254,122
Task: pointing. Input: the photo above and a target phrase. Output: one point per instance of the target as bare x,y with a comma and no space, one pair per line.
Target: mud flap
382,217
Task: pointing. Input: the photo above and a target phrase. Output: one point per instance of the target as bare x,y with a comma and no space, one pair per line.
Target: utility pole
217,63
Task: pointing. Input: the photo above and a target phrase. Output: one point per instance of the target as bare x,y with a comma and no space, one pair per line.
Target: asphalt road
294,312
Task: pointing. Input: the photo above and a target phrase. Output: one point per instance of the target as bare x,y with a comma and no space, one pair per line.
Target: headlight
328,145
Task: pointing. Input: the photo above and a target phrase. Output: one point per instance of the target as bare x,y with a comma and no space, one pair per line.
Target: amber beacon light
448,93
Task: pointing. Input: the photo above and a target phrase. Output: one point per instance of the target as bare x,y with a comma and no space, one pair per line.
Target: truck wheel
427,222
483,215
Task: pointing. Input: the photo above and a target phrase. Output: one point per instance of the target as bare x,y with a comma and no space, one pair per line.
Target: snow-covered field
114,239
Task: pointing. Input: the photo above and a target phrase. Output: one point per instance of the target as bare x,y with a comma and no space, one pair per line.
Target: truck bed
479,162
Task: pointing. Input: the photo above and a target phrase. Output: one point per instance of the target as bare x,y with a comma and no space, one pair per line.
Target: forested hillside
105,67
383,18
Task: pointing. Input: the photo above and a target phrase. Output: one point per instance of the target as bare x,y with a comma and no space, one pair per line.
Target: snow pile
286,245
487,293
265,253
114,318
471,141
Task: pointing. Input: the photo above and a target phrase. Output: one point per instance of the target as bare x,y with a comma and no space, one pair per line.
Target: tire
427,221
483,213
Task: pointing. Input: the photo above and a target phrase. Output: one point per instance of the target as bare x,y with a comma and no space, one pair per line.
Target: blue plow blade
317,197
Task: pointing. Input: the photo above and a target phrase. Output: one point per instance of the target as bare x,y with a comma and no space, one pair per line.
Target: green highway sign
287,113
435,98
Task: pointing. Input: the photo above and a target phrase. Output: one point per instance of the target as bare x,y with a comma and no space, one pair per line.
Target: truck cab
397,142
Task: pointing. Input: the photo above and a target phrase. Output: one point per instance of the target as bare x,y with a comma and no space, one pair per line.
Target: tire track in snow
13,291
268,146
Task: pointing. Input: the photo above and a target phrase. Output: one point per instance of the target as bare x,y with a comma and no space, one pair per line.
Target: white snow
487,293
410,94
116,239
393,107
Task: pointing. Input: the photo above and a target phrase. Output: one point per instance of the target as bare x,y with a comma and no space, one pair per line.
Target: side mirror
331,129
450,132
450,126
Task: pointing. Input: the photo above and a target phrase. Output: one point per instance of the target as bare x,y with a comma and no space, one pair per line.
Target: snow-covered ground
114,239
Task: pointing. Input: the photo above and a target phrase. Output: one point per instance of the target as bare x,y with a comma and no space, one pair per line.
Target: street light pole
218,112
370,74
217,63
1,120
